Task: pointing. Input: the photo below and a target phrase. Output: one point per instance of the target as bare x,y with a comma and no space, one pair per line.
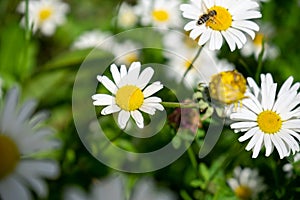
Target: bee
205,17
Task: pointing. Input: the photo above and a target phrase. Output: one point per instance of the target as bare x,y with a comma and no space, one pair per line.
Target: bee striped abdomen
205,17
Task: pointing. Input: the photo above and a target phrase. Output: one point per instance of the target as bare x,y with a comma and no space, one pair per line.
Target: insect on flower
207,16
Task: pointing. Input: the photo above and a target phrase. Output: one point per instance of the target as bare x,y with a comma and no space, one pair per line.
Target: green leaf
203,170
75,58
185,195
197,183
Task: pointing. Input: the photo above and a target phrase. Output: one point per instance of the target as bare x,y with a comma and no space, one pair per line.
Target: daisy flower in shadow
159,13
22,136
127,17
246,184
269,119
93,39
45,15
213,20
129,94
114,188
262,39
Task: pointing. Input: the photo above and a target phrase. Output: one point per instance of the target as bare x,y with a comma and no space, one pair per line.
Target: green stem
246,67
227,160
260,62
27,25
179,105
192,158
191,64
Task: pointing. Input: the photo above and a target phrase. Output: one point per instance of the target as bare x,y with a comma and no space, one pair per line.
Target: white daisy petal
248,134
253,141
191,25
258,145
238,125
205,37
153,88
123,118
147,109
110,109
268,144
152,100
103,99
229,40
286,86
138,118
280,144
115,73
123,71
157,106
108,84
145,77
9,187
233,183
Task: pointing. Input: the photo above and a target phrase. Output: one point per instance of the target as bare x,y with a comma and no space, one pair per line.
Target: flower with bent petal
270,120
22,136
246,183
232,18
129,94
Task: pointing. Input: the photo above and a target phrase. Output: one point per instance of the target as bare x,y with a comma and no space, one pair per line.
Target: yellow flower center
45,13
243,192
221,21
269,122
129,98
128,19
160,15
9,156
187,64
258,40
228,87
131,57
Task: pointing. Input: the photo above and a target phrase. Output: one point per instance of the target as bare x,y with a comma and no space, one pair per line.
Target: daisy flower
269,119
127,17
129,94
92,39
126,52
45,15
246,184
229,19
180,55
114,187
159,13
290,166
22,136
255,46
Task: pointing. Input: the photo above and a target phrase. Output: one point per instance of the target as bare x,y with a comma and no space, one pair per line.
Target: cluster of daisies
268,117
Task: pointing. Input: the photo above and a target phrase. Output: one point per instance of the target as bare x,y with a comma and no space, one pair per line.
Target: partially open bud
228,87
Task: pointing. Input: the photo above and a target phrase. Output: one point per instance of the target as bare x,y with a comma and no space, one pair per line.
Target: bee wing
204,7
